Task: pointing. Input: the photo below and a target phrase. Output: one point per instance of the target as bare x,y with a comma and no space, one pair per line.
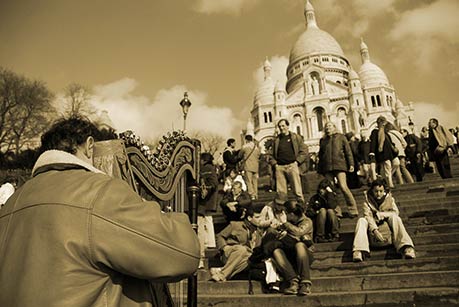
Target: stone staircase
430,211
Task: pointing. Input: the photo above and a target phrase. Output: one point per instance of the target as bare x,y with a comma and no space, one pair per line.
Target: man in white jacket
381,224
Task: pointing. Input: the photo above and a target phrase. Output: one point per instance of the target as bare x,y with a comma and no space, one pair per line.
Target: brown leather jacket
72,237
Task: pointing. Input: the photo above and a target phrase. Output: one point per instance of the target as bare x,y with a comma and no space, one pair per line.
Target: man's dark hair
67,134
207,157
249,138
283,120
293,207
380,181
434,120
230,141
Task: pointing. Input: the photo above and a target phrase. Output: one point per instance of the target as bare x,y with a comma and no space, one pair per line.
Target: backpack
257,271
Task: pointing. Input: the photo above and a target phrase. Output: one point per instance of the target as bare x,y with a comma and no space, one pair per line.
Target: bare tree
25,110
76,101
210,142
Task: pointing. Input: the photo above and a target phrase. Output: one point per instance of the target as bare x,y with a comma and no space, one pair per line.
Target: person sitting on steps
235,202
321,209
236,243
381,224
291,241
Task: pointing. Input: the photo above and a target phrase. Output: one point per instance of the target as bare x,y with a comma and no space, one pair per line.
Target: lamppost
185,104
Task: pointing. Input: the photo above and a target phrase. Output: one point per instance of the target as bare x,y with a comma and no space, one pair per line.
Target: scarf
444,137
381,139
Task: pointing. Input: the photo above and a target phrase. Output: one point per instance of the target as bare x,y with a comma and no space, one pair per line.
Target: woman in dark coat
381,148
440,143
335,159
207,203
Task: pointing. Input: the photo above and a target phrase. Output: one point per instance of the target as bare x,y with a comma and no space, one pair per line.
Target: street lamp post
185,104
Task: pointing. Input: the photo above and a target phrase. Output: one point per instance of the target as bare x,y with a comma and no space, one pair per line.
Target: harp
167,174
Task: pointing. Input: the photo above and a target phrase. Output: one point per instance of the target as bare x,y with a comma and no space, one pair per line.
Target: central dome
314,41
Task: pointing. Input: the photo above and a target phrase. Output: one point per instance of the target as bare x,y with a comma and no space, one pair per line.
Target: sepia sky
139,56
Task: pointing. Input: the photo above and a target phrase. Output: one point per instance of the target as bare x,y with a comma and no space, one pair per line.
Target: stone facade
322,86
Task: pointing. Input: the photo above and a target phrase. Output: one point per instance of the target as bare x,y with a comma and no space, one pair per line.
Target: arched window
373,101
379,100
320,115
270,117
357,101
298,123
266,117
343,126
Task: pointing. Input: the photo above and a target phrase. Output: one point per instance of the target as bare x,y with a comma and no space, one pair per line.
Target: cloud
151,118
447,116
353,17
427,33
229,7
439,19
278,72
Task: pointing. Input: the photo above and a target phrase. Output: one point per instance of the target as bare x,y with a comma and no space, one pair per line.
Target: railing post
192,296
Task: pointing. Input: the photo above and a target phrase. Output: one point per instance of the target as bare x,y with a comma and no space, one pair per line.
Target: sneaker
357,256
409,253
350,215
292,288
218,276
321,239
215,271
335,238
201,264
304,289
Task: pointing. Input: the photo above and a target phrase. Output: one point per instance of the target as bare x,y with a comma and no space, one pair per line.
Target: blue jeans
290,173
321,221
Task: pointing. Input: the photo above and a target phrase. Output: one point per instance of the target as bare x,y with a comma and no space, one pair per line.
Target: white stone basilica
322,86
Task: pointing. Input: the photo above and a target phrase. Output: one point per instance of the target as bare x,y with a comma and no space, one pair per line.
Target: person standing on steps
382,150
440,142
230,156
289,151
249,157
414,154
381,224
335,159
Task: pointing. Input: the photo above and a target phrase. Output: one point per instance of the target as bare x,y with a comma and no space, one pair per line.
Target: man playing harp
73,236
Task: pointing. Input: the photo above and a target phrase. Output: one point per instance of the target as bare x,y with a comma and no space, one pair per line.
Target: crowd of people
284,231
96,226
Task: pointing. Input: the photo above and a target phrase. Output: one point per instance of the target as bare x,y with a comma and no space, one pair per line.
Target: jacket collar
60,160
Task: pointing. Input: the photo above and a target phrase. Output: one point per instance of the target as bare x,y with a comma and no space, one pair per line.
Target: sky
138,57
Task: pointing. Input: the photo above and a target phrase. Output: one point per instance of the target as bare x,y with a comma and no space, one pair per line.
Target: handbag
386,232
206,231
394,149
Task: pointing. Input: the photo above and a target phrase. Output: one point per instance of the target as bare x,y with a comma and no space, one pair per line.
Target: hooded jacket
73,236
334,154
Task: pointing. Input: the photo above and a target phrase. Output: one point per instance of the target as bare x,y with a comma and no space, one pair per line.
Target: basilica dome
370,74
314,41
264,92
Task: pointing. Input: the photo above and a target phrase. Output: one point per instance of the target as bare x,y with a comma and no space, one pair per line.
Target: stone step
371,266
412,208
422,251
445,187
349,227
345,283
427,245
438,263
419,240
409,297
